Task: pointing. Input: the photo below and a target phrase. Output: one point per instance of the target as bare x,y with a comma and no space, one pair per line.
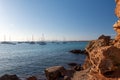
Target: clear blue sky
72,19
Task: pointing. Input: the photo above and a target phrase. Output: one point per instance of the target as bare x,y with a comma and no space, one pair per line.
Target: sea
24,59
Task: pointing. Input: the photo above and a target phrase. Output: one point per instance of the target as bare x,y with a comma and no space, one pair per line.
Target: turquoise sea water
32,59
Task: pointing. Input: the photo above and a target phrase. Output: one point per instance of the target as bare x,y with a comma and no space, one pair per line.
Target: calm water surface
31,59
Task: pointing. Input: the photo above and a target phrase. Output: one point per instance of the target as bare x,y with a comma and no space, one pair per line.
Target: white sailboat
32,42
42,42
7,42
64,40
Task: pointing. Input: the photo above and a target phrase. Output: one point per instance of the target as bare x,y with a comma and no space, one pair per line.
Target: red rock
102,41
117,9
72,64
103,59
55,72
67,78
116,26
32,78
9,77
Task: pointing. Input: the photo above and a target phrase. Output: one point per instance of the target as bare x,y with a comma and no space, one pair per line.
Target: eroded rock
116,26
72,64
32,78
78,68
55,72
78,51
102,41
9,77
103,57
117,9
67,78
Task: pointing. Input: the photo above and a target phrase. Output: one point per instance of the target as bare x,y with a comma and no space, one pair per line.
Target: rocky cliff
117,9
103,60
117,24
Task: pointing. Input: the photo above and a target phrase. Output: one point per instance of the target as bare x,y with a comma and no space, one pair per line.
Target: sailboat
64,41
42,42
32,42
7,42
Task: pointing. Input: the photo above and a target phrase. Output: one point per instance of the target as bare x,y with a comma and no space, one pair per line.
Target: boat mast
4,38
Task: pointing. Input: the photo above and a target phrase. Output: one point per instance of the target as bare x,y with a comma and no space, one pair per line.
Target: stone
32,78
55,72
9,77
75,51
117,43
102,59
72,64
102,41
78,68
78,51
106,38
116,27
117,9
67,78
75,66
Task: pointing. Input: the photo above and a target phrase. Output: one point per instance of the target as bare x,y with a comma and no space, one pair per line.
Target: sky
56,19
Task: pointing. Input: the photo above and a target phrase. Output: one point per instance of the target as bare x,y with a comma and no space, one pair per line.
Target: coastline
102,63
94,66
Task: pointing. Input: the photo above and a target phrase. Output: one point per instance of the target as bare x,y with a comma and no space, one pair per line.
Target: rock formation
9,77
54,73
117,24
78,51
117,29
31,78
58,73
103,60
117,9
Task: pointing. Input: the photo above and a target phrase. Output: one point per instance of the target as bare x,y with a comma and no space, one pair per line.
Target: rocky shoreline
15,77
102,62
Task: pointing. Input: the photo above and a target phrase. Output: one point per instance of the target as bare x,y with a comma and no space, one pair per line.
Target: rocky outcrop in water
59,73
31,78
9,77
54,73
78,51
75,66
